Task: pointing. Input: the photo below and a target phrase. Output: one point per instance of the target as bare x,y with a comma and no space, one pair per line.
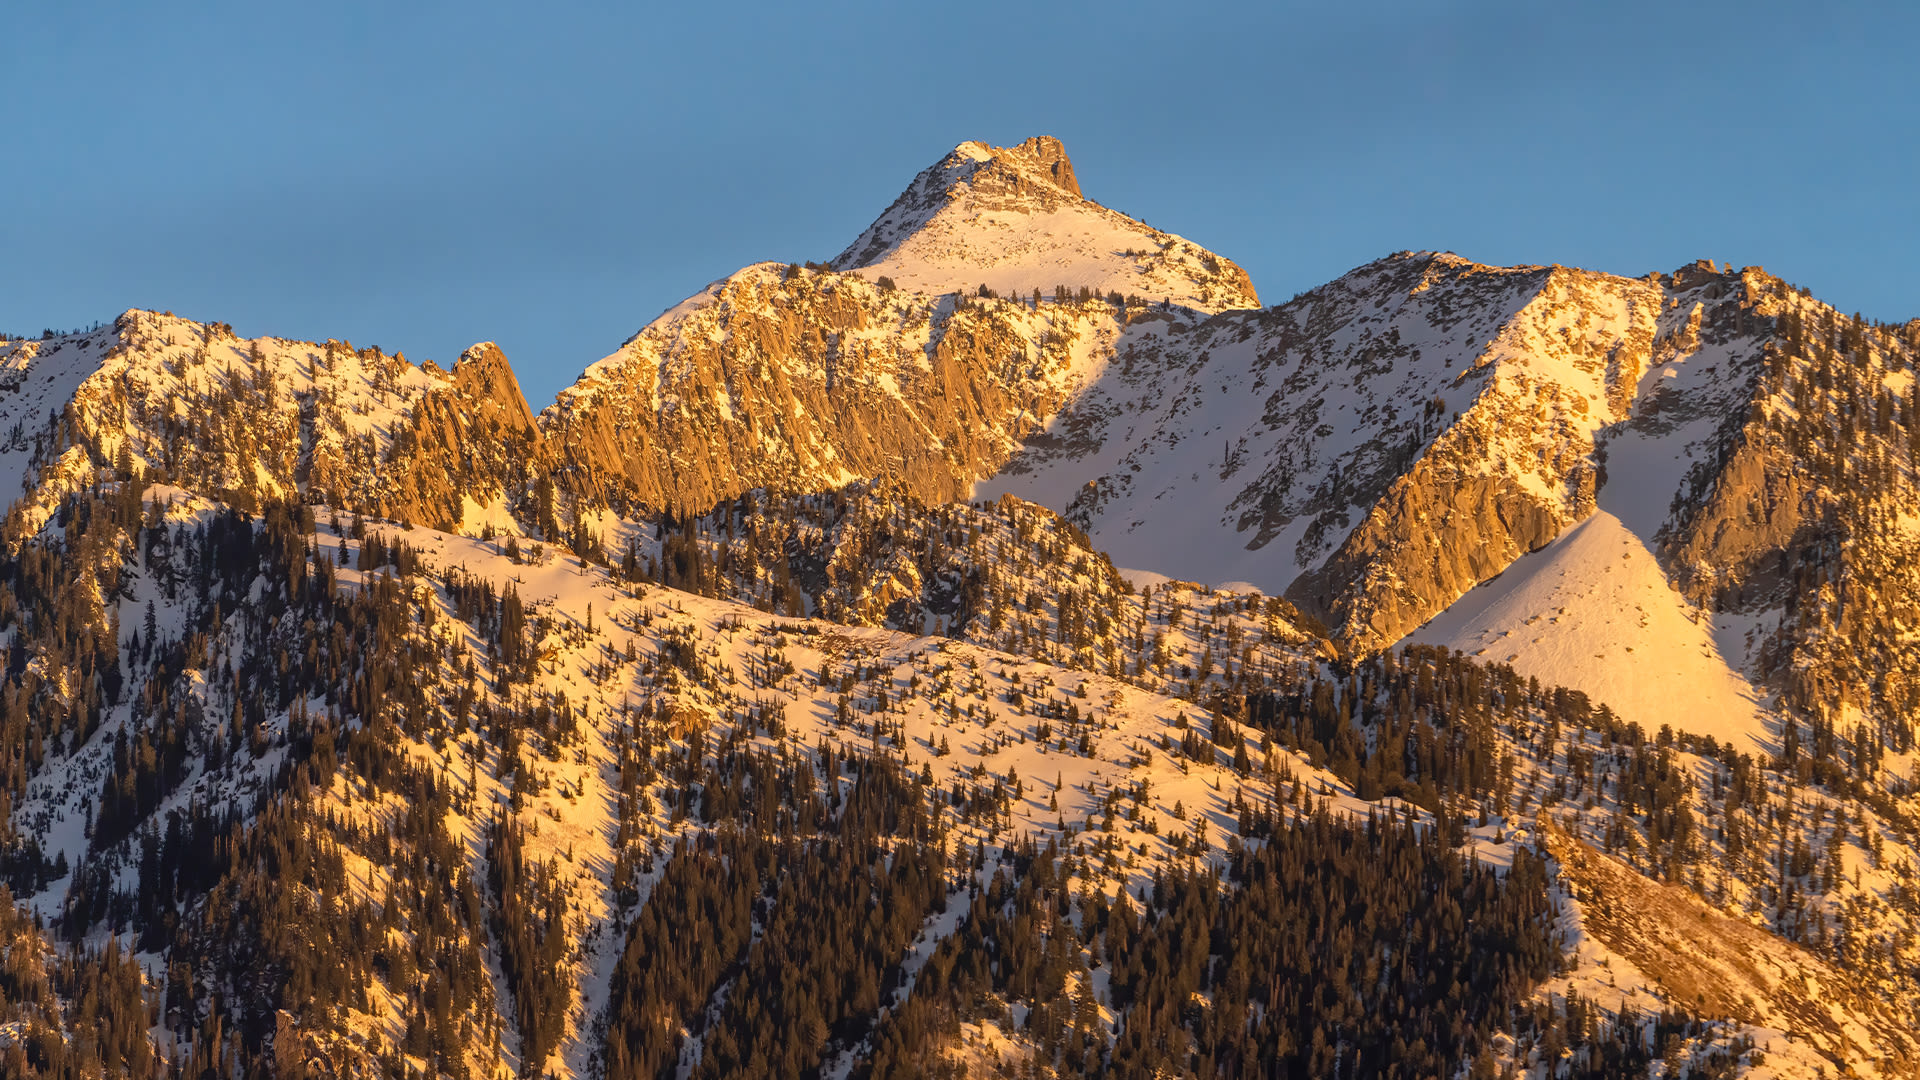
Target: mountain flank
1003,649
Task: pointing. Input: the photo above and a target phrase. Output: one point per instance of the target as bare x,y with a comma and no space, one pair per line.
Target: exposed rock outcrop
806,380
1428,540
471,439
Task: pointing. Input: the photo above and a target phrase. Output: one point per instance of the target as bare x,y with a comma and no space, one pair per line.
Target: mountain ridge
747,384
781,668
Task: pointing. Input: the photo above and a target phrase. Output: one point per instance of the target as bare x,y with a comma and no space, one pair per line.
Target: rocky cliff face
1509,471
198,407
804,380
470,444
1799,518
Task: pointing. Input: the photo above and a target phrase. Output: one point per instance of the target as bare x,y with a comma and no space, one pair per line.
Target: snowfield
1594,611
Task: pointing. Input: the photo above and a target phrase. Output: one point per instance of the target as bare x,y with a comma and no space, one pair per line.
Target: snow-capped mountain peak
1015,220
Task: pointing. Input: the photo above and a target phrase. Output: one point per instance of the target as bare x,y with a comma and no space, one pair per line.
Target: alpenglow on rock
358,720
1013,219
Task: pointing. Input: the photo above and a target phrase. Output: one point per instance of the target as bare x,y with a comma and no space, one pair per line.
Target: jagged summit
1015,220
1046,152
1041,160
1037,174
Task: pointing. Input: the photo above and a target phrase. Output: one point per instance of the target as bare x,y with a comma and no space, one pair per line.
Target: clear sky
421,176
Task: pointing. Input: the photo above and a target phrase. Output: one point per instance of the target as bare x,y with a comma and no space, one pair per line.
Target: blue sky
420,176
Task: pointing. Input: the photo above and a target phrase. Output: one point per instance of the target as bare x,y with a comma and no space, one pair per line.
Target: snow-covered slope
621,663
1630,935
1013,219
1374,449
1295,447
1594,611
1377,448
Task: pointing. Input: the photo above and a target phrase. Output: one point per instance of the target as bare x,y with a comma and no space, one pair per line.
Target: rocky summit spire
1047,151
1041,158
